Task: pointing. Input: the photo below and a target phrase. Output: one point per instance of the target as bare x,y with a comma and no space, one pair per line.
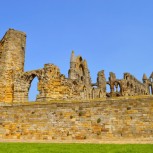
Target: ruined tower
12,53
79,70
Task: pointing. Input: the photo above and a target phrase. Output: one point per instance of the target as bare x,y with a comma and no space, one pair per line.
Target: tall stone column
12,53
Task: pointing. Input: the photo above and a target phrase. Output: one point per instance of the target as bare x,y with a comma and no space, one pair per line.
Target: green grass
74,148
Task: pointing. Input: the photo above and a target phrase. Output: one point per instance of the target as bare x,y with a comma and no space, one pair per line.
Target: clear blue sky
114,35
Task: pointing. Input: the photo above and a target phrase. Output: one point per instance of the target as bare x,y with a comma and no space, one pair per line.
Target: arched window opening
93,93
115,88
150,90
81,69
81,78
100,94
33,90
118,88
108,88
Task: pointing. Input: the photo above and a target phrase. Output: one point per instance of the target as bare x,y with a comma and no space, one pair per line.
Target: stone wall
101,120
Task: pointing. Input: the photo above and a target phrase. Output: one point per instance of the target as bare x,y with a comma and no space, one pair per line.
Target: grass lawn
74,148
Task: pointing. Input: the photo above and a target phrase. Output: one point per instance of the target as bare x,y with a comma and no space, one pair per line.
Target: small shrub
80,113
68,134
71,117
98,133
128,108
98,120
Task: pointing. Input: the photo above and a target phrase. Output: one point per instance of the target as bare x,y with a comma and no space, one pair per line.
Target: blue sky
114,35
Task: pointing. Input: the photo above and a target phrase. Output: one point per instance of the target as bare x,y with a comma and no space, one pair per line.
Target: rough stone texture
15,83
12,51
101,120
60,113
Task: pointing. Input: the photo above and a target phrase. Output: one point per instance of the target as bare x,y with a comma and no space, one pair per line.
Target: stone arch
118,87
22,85
33,89
31,78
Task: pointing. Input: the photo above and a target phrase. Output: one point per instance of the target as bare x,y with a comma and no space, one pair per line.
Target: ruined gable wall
51,86
101,120
55,86
79,70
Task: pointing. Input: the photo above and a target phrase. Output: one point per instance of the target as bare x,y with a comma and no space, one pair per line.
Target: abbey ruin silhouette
52,85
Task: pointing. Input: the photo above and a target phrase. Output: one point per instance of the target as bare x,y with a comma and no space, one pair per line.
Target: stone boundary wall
99,120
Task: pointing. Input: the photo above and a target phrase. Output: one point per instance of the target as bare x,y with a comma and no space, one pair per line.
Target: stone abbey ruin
15,83
70,108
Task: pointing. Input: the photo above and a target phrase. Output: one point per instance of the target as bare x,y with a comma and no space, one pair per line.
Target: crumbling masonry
52,85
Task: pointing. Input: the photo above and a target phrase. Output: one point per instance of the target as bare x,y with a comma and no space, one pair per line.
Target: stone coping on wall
128,98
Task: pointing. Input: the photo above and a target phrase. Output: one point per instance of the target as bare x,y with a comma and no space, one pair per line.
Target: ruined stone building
52,85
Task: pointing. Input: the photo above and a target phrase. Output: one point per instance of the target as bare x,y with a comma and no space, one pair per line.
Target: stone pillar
12,52
101,81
